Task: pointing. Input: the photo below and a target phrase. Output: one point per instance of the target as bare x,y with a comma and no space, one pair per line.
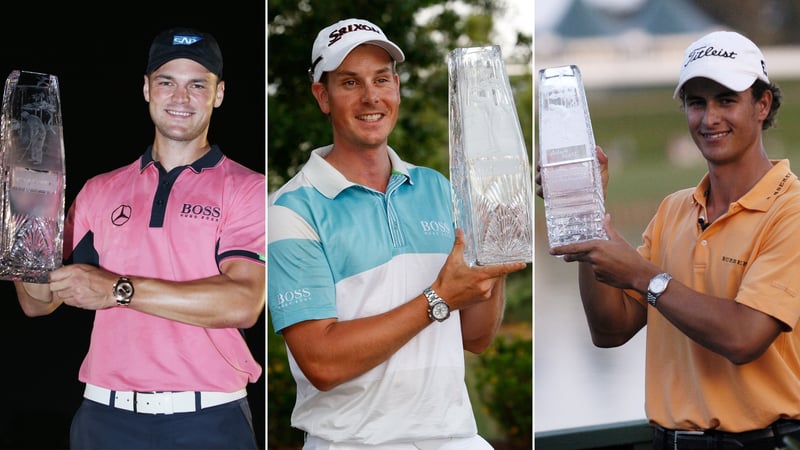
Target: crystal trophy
32,177
570,173
490,176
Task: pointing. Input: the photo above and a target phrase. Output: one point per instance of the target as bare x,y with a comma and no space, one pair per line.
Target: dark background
99,56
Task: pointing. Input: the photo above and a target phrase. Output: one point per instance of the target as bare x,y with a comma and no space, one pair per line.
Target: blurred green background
634,52
651,153
643,130
500,379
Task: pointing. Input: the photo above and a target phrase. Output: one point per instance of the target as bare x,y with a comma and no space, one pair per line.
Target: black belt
715,439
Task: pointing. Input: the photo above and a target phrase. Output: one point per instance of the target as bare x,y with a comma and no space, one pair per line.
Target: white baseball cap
335,42
726,57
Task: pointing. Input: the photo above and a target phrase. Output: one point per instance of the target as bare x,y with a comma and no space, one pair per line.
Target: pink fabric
211,215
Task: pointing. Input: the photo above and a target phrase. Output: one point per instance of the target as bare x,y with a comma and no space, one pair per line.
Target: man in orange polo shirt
715,278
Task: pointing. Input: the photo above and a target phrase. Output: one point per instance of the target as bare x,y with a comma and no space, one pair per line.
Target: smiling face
182,95
725,124
362,97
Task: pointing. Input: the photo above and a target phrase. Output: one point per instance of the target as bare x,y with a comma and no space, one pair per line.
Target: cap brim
331,64
734,81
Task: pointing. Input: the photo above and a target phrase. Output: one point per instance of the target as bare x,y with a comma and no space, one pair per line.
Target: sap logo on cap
185,43
185,40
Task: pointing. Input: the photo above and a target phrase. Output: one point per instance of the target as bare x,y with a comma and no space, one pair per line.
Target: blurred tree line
768,22
426,30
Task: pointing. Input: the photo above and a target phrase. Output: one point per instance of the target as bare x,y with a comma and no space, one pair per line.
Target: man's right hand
38,291
35,299
462,285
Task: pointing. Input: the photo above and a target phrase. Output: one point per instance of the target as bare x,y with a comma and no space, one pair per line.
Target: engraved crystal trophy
33,177
490,176
570,173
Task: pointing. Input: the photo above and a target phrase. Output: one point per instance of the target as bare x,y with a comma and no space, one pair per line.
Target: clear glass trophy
570,173
33,177
490,175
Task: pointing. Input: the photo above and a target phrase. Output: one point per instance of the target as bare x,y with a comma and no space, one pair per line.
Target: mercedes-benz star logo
121,215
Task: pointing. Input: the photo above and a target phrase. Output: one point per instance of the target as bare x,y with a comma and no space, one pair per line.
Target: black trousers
228,426
768,438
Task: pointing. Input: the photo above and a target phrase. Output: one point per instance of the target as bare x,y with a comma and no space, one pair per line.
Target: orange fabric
751,255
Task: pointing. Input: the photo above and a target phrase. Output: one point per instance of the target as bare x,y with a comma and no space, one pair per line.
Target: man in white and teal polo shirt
367,281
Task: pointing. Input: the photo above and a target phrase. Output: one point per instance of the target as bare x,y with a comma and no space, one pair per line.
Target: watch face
440,311
658,284
123,290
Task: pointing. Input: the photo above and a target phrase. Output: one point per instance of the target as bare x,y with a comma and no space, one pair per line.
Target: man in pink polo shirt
168,251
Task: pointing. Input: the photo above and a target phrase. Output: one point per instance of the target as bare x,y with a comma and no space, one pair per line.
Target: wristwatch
658,284
123,291
438,309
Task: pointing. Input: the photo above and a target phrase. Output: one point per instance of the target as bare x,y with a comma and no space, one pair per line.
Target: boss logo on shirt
293,296
435,227
201,211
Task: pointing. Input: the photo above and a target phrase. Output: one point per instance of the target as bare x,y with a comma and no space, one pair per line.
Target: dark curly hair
758,89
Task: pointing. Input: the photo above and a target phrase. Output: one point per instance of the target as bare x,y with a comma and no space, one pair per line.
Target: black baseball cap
185,43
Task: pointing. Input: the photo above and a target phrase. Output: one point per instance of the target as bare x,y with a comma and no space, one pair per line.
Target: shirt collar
330,182
210,159
772,185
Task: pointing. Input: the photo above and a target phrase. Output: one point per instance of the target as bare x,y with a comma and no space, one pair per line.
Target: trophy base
23,274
